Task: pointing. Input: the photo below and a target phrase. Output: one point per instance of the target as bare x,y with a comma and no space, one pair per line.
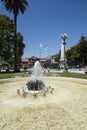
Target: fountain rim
67,79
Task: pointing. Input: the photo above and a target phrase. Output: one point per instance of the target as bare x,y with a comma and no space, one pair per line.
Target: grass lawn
64,74
12,75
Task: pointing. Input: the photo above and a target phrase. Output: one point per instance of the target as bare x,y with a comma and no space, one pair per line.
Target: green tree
20,48
15,6
7,41
57,58
6,36
82,50
77,54
72,55
5,65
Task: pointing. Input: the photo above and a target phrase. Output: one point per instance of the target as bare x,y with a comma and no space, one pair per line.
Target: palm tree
15,6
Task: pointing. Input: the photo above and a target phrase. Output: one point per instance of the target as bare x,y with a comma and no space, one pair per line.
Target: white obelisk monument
63,60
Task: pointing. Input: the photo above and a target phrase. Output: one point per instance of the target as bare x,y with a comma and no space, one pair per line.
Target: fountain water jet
36,82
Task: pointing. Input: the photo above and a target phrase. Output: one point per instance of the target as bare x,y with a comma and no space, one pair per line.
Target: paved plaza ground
65,109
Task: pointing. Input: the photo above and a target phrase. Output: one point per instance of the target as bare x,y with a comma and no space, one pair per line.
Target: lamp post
63,59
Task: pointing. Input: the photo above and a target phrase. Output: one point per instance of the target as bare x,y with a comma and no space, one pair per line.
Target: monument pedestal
63,65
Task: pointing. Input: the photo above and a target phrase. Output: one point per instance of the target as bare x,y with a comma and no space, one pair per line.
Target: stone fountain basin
65,109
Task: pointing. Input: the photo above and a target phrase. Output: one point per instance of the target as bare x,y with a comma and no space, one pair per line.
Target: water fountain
36,82
69,99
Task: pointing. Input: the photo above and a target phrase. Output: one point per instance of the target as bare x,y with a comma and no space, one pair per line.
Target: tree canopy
7,41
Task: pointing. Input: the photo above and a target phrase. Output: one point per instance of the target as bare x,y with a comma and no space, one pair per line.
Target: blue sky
45,21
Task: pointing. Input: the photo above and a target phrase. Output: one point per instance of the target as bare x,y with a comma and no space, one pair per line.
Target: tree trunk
15,43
